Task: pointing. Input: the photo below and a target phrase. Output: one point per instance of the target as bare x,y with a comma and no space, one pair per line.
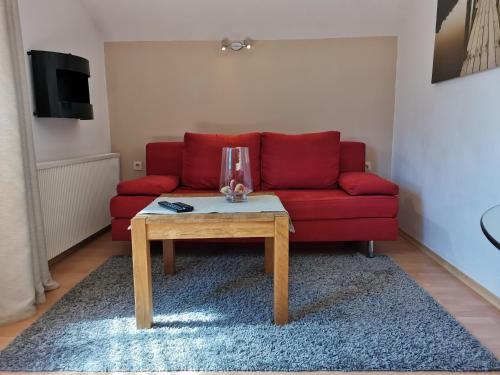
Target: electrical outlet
137,165
368,166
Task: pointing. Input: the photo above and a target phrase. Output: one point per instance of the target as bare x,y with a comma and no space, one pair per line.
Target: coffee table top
215,206
490,224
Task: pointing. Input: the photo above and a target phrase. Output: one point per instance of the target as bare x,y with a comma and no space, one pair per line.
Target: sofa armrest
148,185
362,183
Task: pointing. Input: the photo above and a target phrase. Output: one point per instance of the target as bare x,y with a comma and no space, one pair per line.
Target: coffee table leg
141,258
281,270
269,255
169,257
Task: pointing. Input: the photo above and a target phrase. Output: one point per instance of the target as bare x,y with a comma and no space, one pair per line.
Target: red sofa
320,180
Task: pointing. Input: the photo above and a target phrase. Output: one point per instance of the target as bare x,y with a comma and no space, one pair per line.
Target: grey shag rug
348,313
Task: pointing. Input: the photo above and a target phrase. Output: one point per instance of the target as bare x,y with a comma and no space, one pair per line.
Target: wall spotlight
236,45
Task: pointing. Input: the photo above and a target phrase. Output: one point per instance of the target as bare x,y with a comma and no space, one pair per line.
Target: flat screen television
61,85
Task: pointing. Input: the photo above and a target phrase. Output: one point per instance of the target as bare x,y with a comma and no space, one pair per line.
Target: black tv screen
60,83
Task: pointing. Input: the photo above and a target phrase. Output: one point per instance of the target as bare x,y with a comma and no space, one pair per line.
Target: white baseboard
478,288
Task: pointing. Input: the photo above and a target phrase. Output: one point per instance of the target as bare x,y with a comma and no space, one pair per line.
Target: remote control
186,206
174,207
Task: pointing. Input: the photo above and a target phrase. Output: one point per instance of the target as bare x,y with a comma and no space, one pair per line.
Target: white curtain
24,271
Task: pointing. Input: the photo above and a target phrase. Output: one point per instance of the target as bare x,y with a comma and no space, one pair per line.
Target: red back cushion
300,161
203,153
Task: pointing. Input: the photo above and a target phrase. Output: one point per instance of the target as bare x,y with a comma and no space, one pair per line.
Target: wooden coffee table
272,226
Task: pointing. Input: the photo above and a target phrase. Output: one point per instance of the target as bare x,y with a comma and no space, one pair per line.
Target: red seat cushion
186,190
336,204
203,153
126,206
300,161
148,185
362,183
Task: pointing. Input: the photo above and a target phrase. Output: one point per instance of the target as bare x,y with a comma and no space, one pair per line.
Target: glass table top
490,224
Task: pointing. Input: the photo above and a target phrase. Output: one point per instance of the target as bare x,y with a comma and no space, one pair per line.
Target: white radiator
75,196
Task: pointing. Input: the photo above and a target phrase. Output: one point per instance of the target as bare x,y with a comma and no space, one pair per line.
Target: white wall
64,26
446,152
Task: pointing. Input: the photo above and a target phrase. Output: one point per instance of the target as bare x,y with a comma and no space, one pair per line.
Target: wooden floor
477,315
483,47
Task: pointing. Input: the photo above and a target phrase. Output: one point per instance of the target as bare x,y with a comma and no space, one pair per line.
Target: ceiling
141,20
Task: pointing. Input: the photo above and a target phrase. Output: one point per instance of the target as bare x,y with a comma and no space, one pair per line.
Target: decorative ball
239,189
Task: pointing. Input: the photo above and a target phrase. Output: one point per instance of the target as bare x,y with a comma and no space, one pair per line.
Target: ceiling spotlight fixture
236,45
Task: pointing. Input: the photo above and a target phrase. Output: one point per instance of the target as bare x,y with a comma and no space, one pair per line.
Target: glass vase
235,175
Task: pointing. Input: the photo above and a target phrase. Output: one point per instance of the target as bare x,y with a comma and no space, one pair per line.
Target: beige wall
159,90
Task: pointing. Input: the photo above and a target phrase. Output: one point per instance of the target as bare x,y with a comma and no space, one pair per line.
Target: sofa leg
370,249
